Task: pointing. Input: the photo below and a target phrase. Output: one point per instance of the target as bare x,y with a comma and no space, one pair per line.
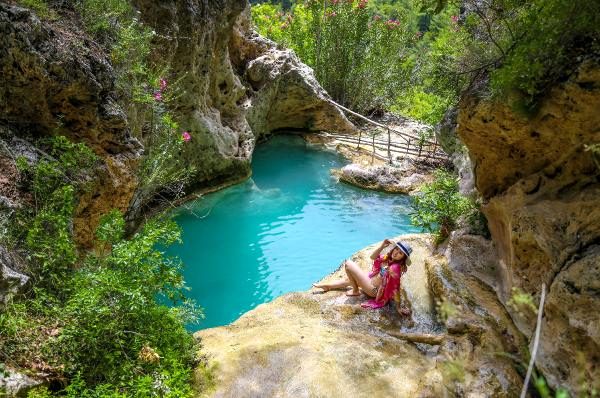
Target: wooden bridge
406,144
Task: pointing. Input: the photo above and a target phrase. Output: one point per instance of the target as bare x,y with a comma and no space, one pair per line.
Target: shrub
439,205
118,308
359,59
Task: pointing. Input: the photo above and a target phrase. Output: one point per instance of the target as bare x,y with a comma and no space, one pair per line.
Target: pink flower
163,84
454,18
334,2
185,136
376,17
158,96
362,3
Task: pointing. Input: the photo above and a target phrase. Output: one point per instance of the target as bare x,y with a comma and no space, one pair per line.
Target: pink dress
390,281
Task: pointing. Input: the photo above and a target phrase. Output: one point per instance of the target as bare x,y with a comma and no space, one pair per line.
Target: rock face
324,344
60,82
478,356
234,89
237,86
542,192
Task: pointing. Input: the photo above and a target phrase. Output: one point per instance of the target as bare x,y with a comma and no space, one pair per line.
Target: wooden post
389,143
373,154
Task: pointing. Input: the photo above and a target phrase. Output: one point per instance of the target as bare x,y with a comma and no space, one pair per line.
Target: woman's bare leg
359,278
336,285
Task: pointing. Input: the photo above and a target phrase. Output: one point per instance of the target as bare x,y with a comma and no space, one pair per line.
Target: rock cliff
236,88
541,186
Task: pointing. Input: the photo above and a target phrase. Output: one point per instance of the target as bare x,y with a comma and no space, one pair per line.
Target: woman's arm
377,251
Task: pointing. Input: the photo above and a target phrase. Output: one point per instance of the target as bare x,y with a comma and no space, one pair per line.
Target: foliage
357,57
439,205
523,46
45,230
91,319
116,309
114,312
39,6
521,301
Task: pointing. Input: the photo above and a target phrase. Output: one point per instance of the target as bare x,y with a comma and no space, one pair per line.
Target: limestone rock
406,178
473,255
238,87
15,384
55,80
283,93
452,145
12,278
542,192
475,358
570,336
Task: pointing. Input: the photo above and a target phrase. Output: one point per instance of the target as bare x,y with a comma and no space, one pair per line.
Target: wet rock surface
541,186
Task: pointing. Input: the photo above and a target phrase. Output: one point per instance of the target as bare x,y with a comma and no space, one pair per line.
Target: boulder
12,280
406,178
15,384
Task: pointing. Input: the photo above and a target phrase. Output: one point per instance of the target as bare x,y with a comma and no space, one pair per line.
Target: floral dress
390,281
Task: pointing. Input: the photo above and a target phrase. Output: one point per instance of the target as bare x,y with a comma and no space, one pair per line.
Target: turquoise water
286,227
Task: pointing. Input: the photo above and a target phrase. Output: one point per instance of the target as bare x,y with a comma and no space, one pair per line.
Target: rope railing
422,148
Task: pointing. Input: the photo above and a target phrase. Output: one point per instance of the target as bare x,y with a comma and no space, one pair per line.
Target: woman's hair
403,263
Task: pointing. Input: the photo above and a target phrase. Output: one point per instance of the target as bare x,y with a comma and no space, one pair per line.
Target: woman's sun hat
404,247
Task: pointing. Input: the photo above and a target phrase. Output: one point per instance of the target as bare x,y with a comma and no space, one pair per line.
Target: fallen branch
425,338
536,341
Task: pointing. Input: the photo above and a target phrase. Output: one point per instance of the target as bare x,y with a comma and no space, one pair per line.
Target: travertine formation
541,184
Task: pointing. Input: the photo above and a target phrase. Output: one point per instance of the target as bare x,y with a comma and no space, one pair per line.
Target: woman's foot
324,287
353,293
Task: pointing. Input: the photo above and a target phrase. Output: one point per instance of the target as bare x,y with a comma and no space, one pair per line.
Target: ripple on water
288,226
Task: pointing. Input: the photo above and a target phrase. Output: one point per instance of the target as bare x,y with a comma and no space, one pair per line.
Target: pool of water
286,227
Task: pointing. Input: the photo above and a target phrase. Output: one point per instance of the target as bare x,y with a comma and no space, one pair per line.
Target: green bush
113,320
523,46
118,325
438,206
359,58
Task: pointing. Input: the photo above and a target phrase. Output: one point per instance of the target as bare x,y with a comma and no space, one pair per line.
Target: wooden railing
411,144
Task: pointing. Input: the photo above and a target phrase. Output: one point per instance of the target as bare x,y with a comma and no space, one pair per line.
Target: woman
383,282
